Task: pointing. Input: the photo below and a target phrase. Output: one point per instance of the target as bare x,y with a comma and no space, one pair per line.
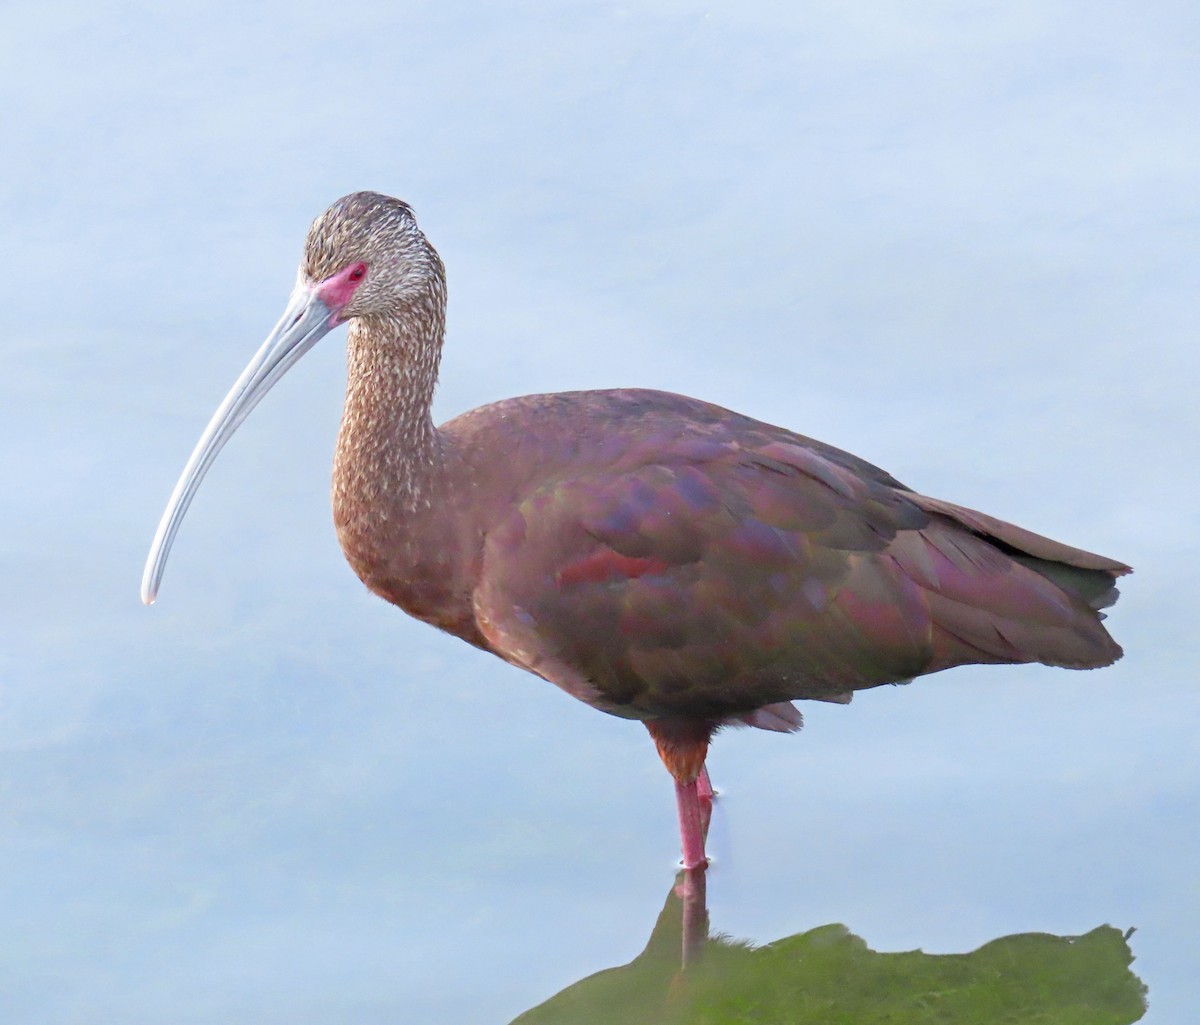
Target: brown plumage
658,557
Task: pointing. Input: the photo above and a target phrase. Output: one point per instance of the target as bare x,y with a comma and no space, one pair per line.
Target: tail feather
1019,539
999,593
1095,588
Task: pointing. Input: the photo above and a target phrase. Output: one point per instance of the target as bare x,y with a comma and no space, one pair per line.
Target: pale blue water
961,245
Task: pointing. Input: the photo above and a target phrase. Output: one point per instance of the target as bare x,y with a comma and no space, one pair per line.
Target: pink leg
683,746
704,792
691,824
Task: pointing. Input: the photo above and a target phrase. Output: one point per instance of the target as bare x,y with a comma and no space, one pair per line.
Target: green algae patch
830,976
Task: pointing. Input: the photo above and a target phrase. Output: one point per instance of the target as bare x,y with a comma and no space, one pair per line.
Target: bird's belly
664,682
656,697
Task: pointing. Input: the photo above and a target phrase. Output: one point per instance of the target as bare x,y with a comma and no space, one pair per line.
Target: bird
658,557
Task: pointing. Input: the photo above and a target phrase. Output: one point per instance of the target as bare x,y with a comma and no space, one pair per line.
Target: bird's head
365,259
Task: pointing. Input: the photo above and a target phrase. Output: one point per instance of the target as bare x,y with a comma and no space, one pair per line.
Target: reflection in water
829,976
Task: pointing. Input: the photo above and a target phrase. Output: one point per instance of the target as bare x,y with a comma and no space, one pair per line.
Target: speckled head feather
382,233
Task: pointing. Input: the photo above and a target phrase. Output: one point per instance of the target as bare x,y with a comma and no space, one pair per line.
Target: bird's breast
412,559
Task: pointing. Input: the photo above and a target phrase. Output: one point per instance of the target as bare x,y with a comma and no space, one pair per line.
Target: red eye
359,272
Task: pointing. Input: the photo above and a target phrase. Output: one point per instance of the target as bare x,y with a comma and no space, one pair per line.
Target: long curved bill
305,320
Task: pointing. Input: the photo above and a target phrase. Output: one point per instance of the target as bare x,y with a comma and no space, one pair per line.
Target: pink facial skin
337,291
